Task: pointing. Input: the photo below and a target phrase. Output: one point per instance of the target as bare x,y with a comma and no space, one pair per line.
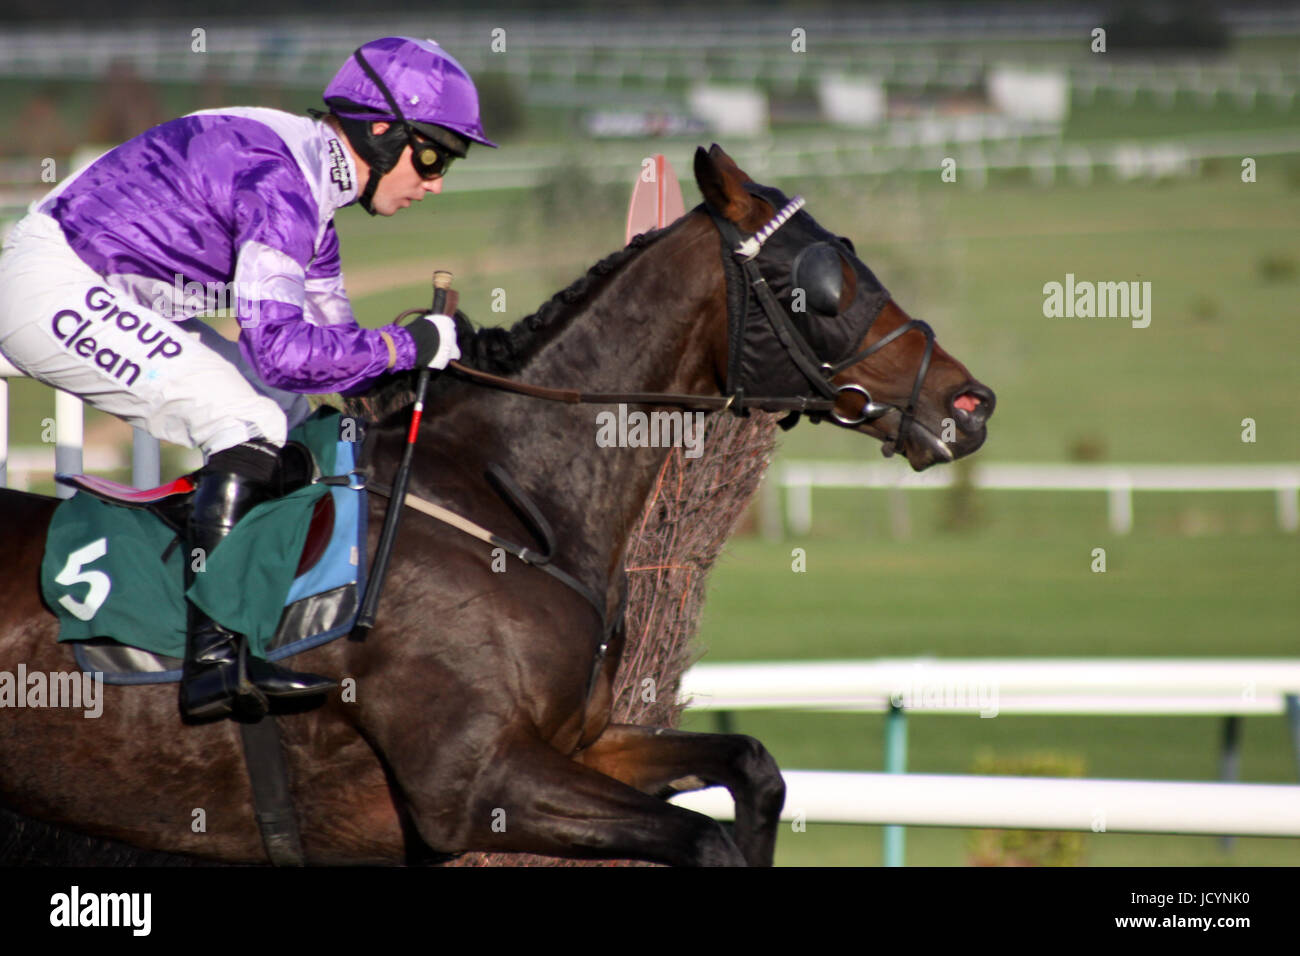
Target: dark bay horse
476,724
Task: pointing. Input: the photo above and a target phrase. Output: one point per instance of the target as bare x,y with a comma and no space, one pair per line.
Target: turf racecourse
1201,575
1008,593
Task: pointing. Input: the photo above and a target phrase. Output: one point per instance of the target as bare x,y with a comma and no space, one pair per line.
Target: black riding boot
215,680
211,679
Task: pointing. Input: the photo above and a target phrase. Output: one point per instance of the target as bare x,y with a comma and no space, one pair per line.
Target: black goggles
429,160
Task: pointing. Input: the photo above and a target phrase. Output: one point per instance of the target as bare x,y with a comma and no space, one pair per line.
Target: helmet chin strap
372,183
379,155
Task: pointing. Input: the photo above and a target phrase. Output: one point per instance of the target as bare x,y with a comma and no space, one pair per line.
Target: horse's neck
643,330
647,329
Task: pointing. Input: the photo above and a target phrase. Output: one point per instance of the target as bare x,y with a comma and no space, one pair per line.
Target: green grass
831,845
1015,593
1220,346
1106,117
1005,594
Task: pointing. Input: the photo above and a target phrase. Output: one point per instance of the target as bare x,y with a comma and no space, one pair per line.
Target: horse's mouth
923,448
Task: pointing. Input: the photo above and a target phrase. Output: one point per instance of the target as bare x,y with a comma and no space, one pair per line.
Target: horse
480,719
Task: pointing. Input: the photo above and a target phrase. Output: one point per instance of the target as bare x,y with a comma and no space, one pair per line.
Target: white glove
445,326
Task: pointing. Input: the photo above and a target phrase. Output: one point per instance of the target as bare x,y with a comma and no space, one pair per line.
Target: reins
573,396
801,403
817,372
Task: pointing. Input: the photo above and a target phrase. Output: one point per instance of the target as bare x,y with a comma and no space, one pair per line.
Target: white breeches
62,323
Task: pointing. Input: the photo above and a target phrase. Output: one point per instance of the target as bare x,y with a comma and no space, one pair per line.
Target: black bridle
744,277
741,264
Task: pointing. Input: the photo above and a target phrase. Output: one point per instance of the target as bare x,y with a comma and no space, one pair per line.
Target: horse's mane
501,351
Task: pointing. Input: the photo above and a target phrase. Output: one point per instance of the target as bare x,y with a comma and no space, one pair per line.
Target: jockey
93,291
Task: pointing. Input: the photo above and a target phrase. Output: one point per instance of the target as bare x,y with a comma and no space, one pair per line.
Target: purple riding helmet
419,89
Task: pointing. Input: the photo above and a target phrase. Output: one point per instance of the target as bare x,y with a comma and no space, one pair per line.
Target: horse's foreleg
541,801
662,762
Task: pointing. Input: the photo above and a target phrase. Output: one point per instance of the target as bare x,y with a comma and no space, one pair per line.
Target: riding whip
369,607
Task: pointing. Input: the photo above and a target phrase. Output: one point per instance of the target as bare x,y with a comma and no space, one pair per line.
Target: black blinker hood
757,361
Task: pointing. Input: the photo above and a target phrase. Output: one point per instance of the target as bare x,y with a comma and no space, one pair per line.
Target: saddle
131,542
171,504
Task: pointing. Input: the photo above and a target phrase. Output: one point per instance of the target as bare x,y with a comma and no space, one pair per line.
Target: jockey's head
398,92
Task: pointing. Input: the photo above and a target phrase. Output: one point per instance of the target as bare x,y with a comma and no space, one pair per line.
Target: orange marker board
656,198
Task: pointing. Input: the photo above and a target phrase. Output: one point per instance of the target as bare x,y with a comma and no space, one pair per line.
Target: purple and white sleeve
282,298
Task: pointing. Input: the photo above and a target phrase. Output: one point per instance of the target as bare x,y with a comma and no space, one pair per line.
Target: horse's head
829,329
